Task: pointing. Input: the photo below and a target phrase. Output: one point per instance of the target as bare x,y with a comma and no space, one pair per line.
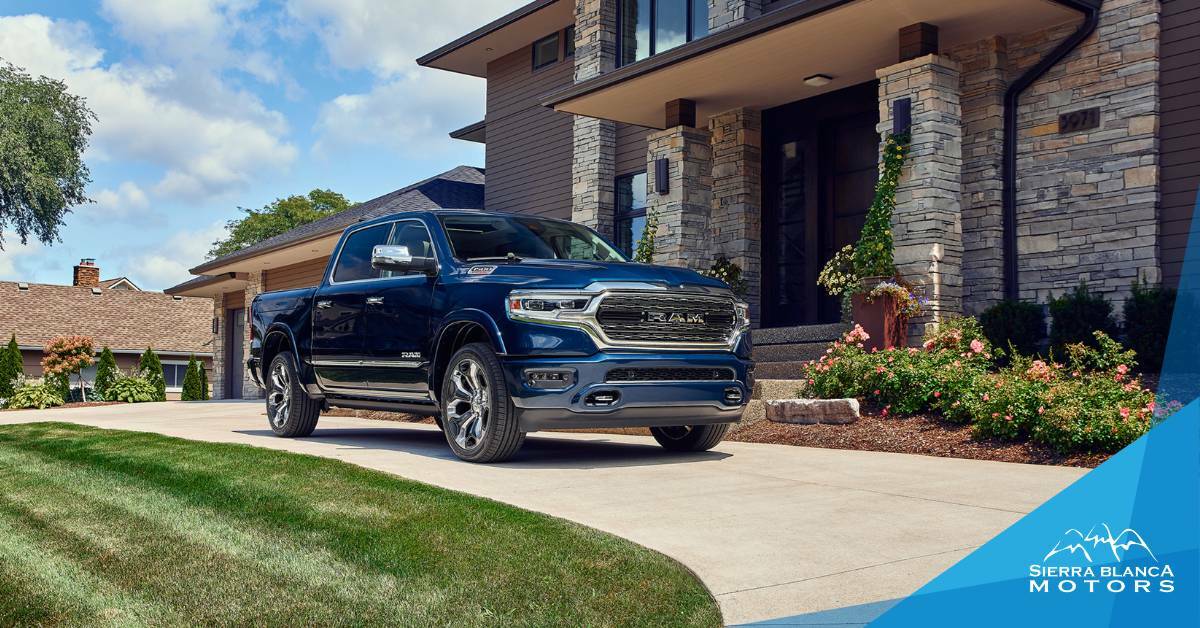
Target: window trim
557,36
182,363
333,269
619,215
652,29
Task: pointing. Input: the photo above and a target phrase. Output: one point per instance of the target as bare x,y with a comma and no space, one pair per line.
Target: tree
191,382
283,214
44,131
106,373
11,367
69,355
152,370
204,393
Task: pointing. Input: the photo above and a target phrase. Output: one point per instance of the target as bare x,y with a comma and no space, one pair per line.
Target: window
545,51
354,261
413,235
648,27
173,373
494,238
630,216
569,42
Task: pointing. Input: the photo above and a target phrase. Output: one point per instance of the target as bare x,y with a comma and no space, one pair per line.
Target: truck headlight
547,306
741,311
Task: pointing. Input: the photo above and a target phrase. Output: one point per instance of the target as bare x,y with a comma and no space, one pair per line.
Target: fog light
550,379
602,398
733,395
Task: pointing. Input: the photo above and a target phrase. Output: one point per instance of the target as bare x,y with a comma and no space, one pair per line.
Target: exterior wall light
817,80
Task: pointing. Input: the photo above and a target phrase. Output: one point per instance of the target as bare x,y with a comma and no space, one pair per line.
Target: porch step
779,353
778,370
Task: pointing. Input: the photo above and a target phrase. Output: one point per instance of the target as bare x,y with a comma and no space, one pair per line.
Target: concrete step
778,370
796,352
770,389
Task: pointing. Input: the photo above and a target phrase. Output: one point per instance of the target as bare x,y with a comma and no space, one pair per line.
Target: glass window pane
354,262
545,51
699,18
635,30
670,24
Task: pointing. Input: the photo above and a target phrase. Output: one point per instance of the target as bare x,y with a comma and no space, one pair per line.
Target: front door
235,332
819,173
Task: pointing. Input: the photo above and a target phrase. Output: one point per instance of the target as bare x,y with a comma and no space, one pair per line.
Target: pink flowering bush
1092,403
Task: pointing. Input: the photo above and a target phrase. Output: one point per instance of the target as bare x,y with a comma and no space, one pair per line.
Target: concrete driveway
772,530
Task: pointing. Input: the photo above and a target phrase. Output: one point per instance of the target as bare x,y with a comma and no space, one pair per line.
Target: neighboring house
297,259
1053,141
114,313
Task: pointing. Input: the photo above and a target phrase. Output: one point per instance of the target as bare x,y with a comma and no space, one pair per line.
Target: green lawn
101,527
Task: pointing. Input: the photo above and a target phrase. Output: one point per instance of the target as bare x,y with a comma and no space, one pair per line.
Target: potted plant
864,275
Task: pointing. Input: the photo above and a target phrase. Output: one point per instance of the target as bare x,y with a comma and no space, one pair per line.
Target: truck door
338,342
397,320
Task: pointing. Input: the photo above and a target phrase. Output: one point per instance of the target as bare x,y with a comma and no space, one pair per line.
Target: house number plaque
1081,120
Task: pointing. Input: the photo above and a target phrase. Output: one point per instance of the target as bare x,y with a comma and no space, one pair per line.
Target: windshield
476,238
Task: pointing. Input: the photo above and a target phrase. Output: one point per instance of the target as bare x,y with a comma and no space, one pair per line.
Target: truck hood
575,275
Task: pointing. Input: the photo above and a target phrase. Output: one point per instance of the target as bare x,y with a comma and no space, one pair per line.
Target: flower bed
1093,403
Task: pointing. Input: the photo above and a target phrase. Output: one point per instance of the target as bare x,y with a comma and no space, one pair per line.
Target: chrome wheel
279,401
469,407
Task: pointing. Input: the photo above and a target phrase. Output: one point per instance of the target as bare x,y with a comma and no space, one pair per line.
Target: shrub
204,393
842,371
151,369
729,272
1076,314
1015,324
106,373
1148,321
133,389
39,394
69,355
61,384
1009,403
11,367
191,382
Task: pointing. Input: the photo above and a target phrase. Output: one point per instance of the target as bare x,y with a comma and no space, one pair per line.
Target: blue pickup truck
499,325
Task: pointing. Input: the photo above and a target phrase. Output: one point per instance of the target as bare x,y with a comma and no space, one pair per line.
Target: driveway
772,530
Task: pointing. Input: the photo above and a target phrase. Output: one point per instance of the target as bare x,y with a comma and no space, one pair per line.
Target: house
114,313
1052,141
297,259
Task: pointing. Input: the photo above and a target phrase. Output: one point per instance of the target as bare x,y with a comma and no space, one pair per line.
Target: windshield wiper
511,258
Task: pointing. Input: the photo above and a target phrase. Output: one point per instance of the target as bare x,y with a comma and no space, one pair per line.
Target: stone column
683,212
983,84
927,222
736,223
725,13
593,160
253,288
216,376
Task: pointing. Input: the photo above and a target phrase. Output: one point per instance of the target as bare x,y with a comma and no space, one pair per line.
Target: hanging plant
729,272
871,256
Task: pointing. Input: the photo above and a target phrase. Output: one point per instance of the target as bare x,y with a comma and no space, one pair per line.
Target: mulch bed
76,404
925,435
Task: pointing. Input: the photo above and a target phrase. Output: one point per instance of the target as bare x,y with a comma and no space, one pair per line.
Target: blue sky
205,106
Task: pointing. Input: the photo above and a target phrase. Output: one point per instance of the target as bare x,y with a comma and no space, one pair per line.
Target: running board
427,408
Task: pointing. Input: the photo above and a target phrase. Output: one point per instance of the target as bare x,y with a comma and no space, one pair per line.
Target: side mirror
397,258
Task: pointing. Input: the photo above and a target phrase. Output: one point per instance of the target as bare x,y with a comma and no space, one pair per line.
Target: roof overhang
762,63
476,132
210,286
471,53
285,254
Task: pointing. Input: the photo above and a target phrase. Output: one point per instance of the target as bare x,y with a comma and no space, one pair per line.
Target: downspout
1012,97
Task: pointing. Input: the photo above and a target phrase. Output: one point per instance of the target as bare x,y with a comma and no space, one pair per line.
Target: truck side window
415,236
354,262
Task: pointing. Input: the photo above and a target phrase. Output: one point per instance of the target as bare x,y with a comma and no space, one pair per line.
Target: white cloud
167,265
209,141
128,202
15,258
408,108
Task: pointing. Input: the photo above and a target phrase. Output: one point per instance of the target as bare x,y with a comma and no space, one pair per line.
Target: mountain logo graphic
1099,537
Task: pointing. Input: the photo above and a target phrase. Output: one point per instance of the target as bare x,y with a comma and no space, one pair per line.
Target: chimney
87,274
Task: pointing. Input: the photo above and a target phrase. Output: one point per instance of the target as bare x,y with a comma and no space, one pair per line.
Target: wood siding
528,145
301,275
1179,81
631,148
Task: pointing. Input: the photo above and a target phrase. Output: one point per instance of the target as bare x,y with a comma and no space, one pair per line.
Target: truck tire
290,411
477,415
690,437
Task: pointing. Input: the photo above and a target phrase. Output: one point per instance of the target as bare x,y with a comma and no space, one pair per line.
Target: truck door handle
374,300
324,304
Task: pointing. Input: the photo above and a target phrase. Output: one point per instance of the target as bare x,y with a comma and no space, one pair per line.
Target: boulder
810,411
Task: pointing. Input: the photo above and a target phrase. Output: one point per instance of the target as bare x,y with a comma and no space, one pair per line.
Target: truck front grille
669,374
666,319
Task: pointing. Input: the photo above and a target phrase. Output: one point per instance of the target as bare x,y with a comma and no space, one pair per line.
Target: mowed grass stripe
288,538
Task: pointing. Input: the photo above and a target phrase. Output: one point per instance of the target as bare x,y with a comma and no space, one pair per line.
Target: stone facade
1087,201
926,224
216,377
254,286
736,220
984,81
725,13
594,141
683,212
